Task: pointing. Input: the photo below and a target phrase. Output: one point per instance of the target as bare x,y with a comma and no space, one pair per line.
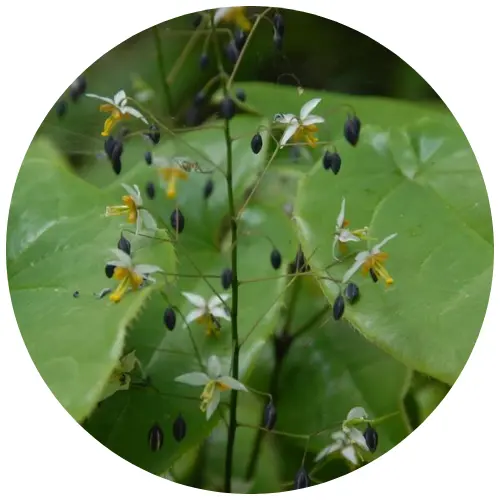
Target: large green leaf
422,182
329,370
57,243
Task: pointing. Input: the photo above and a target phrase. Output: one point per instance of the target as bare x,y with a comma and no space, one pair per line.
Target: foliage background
335,59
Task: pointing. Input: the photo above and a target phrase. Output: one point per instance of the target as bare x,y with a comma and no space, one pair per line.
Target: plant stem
231,434
163,74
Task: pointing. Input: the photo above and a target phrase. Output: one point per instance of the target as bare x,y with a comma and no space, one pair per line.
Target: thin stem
182,58
231,435
163,73
242,53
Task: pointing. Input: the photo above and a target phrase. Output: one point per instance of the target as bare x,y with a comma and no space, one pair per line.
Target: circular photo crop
244,265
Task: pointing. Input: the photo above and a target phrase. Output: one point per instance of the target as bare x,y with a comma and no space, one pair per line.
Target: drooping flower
120,378
207,312
371,261
172,169
214,383
118,108
300,127
344,235
132,207
233,15
130,275
349,440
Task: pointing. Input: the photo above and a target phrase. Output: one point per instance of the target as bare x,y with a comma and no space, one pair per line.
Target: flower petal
119,97
134,112
220,14
105,99
123,258
214,403
220,312
147,219
377,247
345,235
215,301
357,264
195,299
193,316
341,216
356,436
349,453
213,367
128,362
290,130
313,120
233,383
356,412
193,378
143,269
308,107
285,118
134,193
327,451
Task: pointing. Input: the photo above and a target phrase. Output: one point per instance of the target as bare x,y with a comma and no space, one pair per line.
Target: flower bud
208,189
240,37
279,24
352,129
109,270
351,293
177,221
61,107
197,20
338,307
155,438
256,143
179,428
154,134
232,53
227,108
199,98
240,94
371,438
169,318
124,245
275,258
109,144
204,61
332,161
226,278
148,157
301,479
78,88
270,416
150,190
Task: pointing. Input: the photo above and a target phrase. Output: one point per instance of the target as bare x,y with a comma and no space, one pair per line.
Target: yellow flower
118,109
372,261
300,128
170,175
130,276
233,15
172,169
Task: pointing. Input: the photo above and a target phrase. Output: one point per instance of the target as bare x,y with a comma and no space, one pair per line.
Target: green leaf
421,182
330,369
58,243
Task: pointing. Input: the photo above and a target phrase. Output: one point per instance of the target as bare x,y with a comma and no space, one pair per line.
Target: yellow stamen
375,262
211,327
237,16
207,395
221,386
116,116
127,278
170,176
306,132
129,208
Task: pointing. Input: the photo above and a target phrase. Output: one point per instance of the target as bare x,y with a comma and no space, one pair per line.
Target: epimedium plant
220,238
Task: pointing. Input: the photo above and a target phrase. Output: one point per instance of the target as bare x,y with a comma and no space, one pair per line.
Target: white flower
371,261
133,207
118,108
214,383
233,15
342,234
207,312
349,439
302,126
130,275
